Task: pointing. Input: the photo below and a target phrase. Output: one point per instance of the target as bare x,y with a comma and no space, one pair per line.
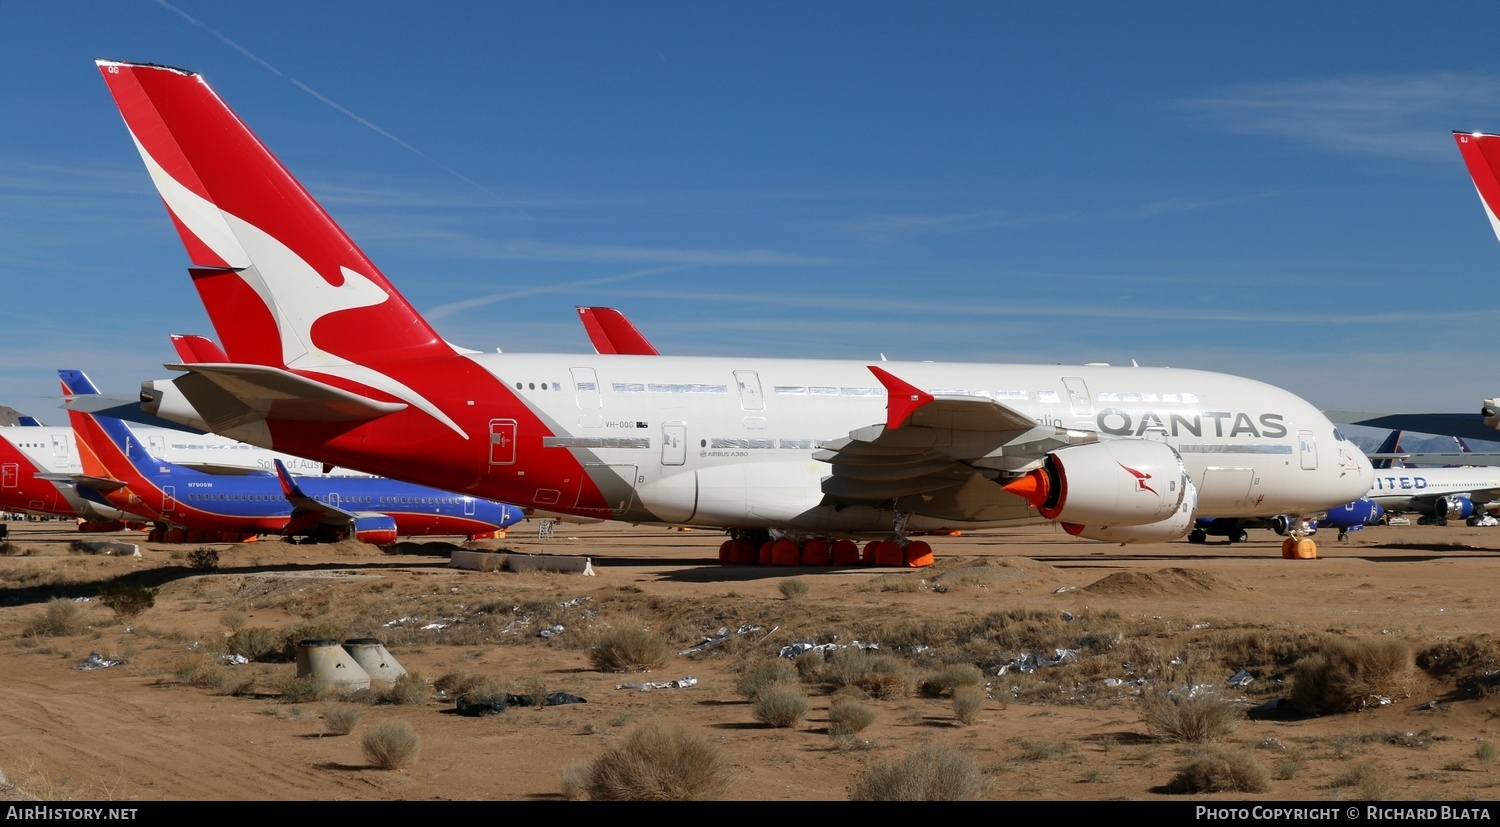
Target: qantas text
1209,423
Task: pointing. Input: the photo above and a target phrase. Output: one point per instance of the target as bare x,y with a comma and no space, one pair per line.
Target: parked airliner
329,361
121,470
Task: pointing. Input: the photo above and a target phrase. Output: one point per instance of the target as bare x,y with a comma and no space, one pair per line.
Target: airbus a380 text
798,446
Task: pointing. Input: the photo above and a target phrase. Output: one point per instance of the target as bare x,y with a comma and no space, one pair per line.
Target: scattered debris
721,636
96,661
551,631
650,685
1241,678
235,660
1032,661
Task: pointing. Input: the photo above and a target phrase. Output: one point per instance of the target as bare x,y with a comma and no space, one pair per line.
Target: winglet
610,332
288,485
195,349
1481,154
901,400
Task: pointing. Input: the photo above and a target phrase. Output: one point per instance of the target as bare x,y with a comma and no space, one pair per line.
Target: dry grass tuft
391,746
629,649
1193,718
764,674
935,772
781,706
968,702
61,617
1350,675
847,717
341,719
658,764
1234,771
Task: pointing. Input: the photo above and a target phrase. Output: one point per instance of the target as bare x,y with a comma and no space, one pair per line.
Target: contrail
335,106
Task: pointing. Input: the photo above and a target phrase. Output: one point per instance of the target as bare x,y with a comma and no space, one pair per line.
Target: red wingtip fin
902,398
195,349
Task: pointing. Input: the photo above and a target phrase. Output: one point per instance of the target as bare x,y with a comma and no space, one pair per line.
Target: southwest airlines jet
326,359
119,469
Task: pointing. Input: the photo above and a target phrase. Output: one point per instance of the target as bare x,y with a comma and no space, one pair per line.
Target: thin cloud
1389,115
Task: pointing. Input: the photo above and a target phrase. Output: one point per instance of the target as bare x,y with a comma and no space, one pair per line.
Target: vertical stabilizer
303,294
1482,156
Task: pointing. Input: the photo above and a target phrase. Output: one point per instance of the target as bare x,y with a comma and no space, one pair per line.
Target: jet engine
1285,524
1121,482
376,529
1451,507
1361,512
1175,527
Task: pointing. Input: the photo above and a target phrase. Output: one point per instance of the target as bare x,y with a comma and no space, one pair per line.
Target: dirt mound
1175,582
978,571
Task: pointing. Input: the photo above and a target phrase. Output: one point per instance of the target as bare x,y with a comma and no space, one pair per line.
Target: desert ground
172,719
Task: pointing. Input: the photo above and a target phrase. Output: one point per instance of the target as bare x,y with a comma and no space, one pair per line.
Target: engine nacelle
1175,527
1454,507
375,529
1490,410
1285,524
1361,512
1120,482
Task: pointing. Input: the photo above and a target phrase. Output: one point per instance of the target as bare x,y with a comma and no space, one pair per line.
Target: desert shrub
203,558
935,772
471,688
391,746
409,689
84,547
949,678
658,764
233,621
126,600
810,666
257,643
341,719
1349,675
844,667
780,706
794,588
848,717
1234,771
967,703
575,782
887,677
1194,718
60,617
628,649
296,689
764,674
203,672
1365,779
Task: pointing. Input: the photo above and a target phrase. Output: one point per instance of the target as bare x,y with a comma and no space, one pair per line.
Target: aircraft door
469,507
502,442
586,396
1307,447
158,445
168,498
673,443
60,446
751,398
10,475
1078,397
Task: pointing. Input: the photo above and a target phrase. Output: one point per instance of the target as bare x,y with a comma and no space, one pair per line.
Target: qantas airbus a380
325,359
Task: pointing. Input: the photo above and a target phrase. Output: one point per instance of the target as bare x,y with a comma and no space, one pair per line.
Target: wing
308,511
941,456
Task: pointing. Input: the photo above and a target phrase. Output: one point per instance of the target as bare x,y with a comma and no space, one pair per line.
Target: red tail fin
314,298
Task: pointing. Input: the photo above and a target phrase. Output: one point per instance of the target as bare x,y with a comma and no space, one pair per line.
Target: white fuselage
1418,489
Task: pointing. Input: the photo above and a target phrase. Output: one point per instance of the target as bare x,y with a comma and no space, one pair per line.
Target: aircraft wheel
1343,535
1197,535
1241,536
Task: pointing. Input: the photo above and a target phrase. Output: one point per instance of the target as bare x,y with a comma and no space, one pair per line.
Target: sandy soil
141,730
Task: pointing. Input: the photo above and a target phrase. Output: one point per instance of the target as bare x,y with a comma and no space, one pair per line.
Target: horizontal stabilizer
273,393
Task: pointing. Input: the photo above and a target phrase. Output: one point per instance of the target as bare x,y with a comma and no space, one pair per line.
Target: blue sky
1270,190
